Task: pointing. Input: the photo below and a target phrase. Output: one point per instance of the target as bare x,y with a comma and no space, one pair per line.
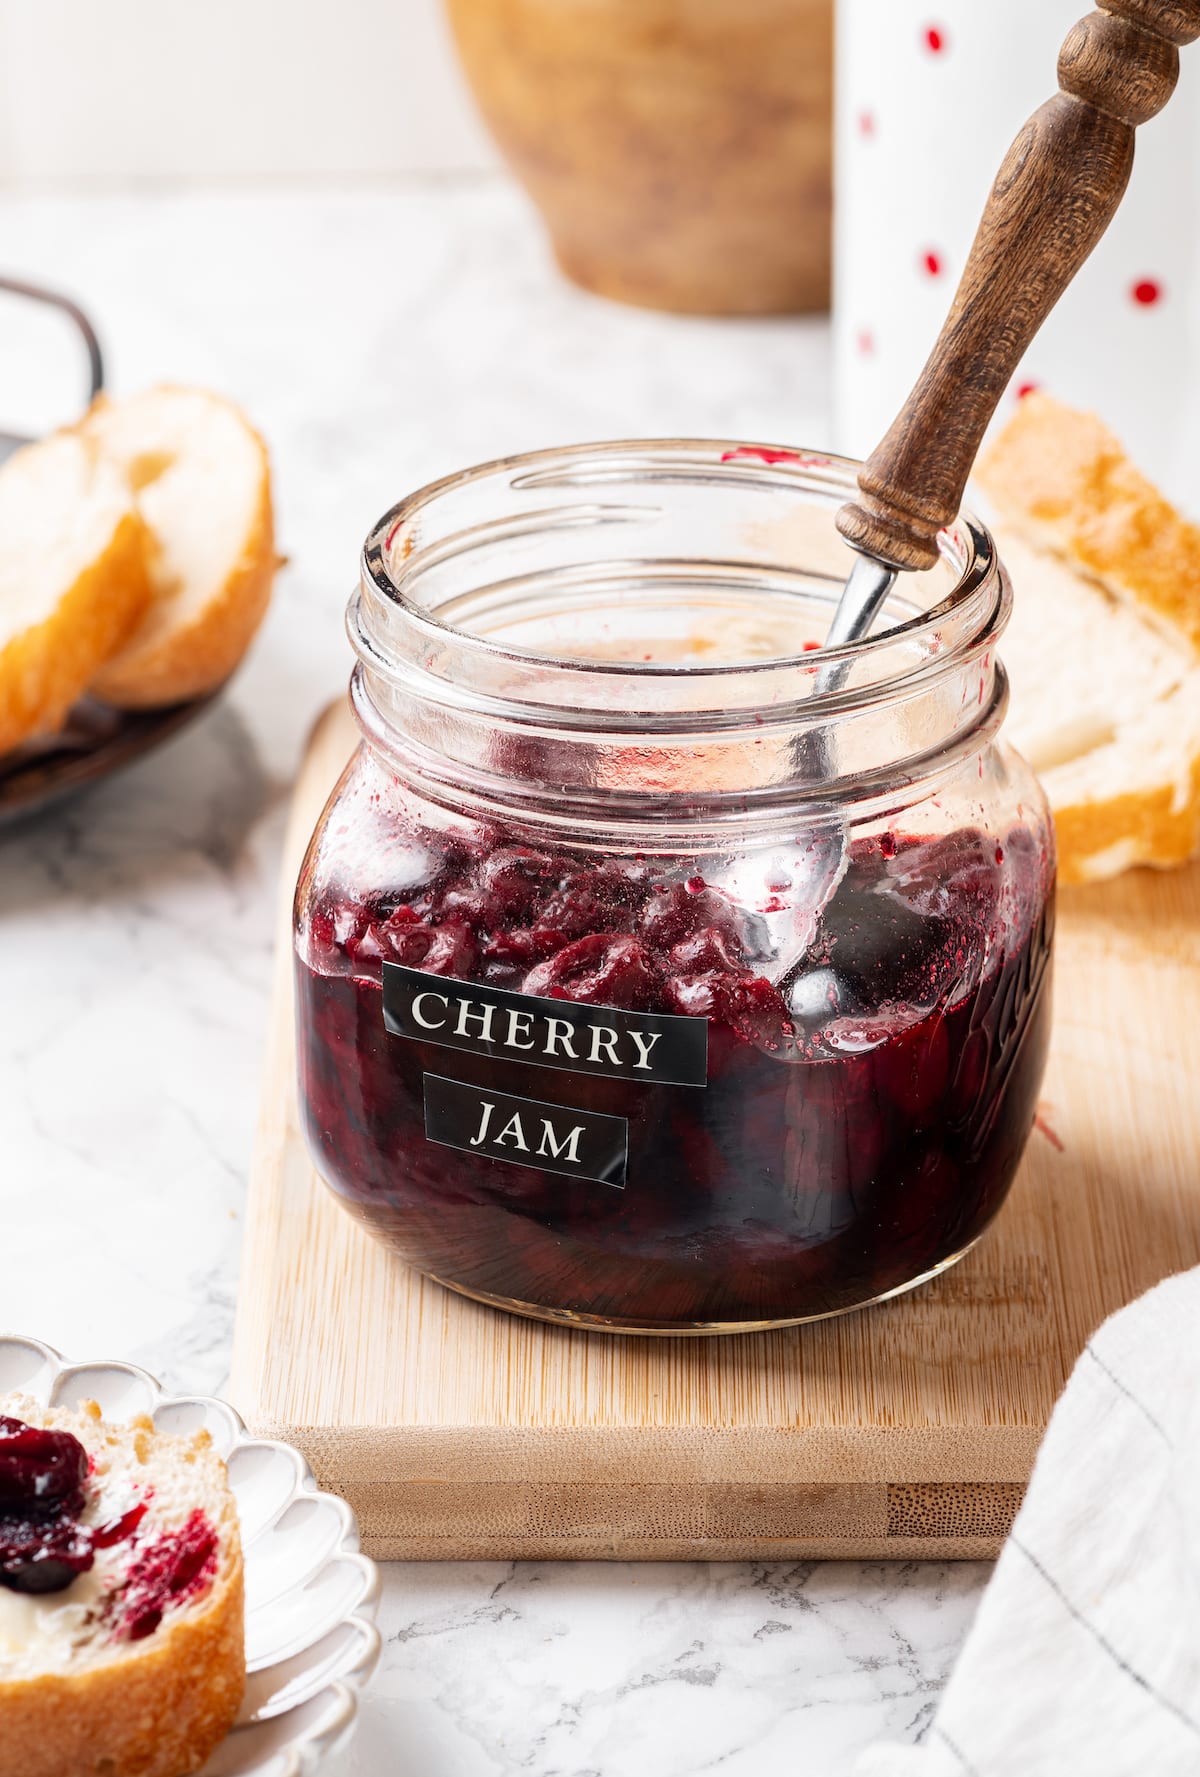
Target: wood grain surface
904,1431
1053,198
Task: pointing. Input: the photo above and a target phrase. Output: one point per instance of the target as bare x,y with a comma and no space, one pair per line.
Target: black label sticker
526,1131
654,1047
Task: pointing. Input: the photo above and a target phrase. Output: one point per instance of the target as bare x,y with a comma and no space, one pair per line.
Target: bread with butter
136,1667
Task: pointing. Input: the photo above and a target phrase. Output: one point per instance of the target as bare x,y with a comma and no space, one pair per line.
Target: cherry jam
43,1545
174,1566
861,1112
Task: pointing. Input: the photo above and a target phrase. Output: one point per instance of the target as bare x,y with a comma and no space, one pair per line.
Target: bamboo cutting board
906,1431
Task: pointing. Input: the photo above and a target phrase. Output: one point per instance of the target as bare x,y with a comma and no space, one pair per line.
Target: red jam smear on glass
864,1113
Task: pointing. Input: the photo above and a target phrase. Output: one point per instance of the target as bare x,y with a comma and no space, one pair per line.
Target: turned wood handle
1056,193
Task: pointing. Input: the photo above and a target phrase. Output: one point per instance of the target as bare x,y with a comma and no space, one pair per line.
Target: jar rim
966,546
520,543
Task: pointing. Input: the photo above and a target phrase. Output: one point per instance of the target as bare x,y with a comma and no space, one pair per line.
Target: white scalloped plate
311,1643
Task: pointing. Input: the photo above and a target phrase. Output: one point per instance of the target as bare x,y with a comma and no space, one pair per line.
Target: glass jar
656,970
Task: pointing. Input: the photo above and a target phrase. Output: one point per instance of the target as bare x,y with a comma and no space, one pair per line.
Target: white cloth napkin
1085,1655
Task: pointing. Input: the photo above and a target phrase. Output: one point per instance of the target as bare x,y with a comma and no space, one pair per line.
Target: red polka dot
1024,389
935,39
931,264
1146,292
866,124
866,343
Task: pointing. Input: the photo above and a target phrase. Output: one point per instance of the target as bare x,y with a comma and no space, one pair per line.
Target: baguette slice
137,1668
200,477
74,578
1102,648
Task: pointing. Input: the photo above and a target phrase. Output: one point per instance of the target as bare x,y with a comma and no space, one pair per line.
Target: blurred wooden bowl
678,150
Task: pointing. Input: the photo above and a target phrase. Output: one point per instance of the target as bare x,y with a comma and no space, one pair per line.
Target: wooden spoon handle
1056,193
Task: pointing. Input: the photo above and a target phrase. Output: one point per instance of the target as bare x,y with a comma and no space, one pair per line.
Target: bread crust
157,1709
1097,840
45,668
197,655
1063,479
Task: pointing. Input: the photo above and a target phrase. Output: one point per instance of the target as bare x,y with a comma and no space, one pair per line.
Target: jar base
696,1329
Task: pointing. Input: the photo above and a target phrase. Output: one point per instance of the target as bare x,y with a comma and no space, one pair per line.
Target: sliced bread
73,578
200,477
1102,651
135,1666
1063,480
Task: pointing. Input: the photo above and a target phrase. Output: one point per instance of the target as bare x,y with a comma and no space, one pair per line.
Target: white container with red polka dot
929,98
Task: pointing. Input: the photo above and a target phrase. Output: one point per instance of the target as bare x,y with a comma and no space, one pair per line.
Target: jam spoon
1054,196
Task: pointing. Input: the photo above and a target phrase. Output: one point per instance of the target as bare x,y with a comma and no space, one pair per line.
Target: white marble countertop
379,338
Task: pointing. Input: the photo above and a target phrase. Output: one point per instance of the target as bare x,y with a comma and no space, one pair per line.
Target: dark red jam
173,1567
864,1111
43,1545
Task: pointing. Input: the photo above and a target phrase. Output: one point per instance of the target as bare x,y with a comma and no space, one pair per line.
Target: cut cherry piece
586,903
439,949
479,909
451,950
43,1546
497,973
747,1003
39,1467
517,876
607,969
706,949
524,945
43,1551
677,910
